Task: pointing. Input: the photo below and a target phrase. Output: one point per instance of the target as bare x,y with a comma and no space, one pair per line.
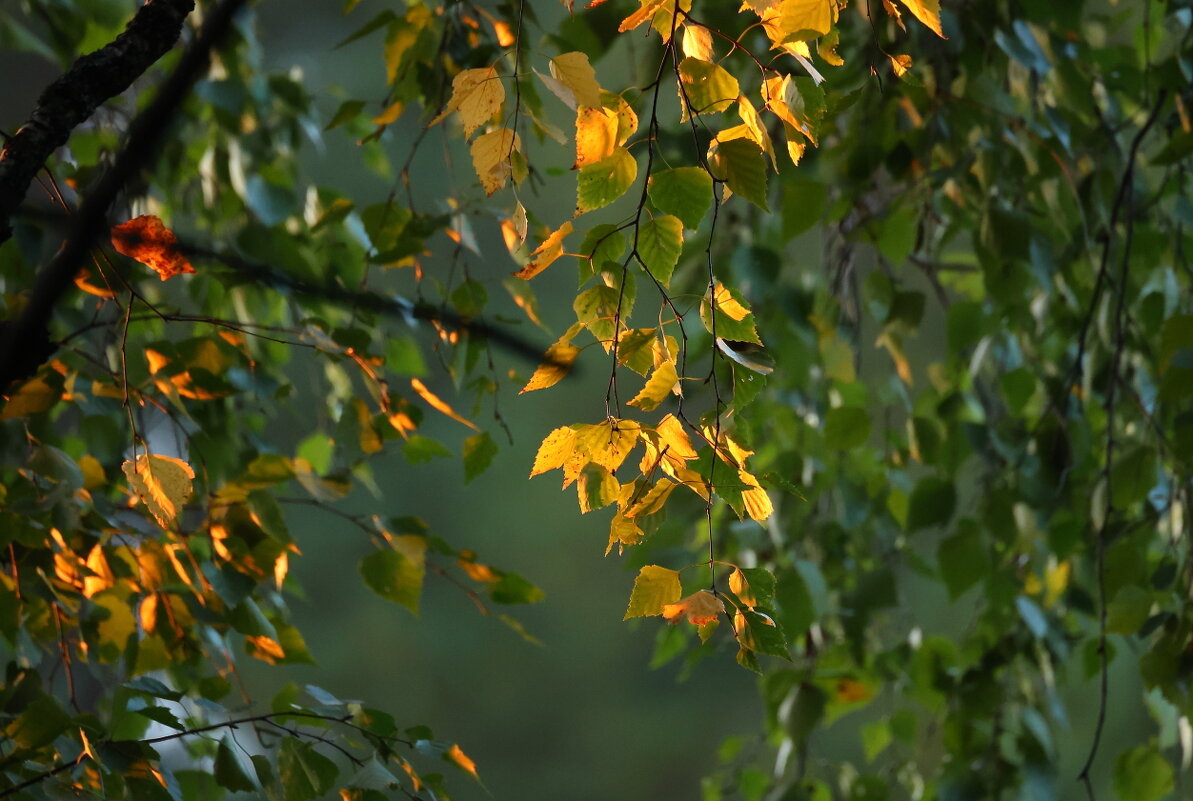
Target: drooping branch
70,100
29,332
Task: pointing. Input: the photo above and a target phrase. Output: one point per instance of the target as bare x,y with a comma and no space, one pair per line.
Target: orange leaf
699,608
436,403
546,253
150,242
457,757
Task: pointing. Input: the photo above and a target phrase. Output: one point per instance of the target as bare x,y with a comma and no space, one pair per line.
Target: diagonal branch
29,331
70,100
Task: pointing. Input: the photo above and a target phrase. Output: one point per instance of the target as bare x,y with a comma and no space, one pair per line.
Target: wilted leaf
546,253
699,608
150,242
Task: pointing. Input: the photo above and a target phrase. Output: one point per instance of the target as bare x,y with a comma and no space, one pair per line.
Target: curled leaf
150,242
699,608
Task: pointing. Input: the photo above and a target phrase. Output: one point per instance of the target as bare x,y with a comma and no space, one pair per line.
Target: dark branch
91,81
146,132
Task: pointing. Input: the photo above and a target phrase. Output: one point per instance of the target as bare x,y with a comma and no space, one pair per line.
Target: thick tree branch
29,332
91,81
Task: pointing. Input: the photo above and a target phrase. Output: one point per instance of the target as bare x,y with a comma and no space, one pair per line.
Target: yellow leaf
801,18
654,588
163,484
461,760
893,11
623,531
35,396
560,358
826,47
491,154
697,42
661,382
741,588
391,114
596,135
607,443
574,72
266,649
556,449
699,608
673,437
652,500
436,403
728,305
546,253
757,130
150,242
900,64
757,502
927,12
852,691
101,576
477,95
147,612
645,11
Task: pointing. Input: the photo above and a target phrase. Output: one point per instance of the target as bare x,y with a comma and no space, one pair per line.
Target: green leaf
230,772
479,451
1132,476
513,589
304,772
932,503
40,722
395,576
708,87
603,243
654,588
660,241
601,183
846,428
762,634
685,192
740,164
161,715
963,559
1142,774
419,449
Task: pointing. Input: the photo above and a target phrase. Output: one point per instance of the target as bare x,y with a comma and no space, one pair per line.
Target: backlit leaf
574,72
602,182
163,483
697,42
546,253
556,449
927,12
661,382
150,242
699,608
560,357
457,757
477,94
732,319
491,157
596,135
596,487
397,575
654,588
706,87
438,404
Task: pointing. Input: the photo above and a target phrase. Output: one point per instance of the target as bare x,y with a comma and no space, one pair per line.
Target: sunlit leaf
163,483
661,383
740,165
546,253
150,242
927,12
574,72
559,359
699,608
491,156
602,182
706,87
438,404
596,135
654,588
477,94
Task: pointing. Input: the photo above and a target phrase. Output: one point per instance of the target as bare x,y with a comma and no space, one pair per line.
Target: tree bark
91,81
